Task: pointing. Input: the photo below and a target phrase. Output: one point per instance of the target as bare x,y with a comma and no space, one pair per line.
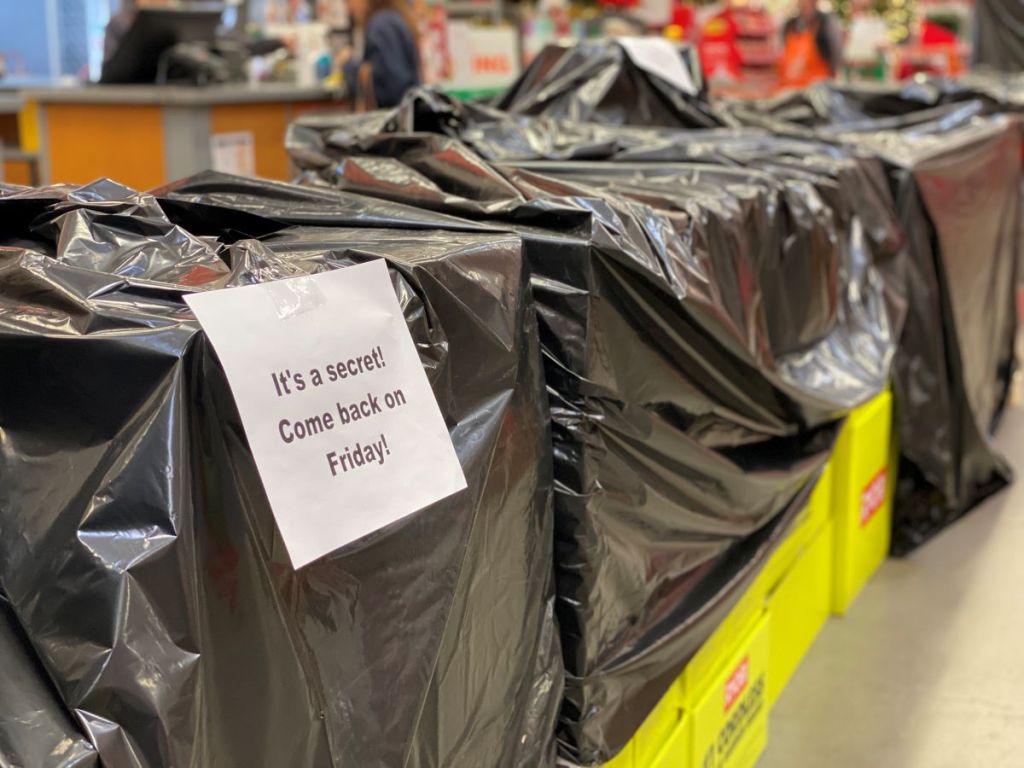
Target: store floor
927,669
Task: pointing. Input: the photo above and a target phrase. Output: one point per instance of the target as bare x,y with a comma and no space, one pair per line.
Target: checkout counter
147,135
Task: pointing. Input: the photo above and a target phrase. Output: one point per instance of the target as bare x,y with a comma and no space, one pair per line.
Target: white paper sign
233,153
660,57
342,422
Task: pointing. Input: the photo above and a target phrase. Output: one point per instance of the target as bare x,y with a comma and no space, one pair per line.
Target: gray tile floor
927,669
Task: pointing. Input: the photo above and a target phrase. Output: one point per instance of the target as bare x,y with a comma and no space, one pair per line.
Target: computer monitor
152,32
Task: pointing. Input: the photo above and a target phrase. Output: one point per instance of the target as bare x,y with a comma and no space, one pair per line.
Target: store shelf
493,9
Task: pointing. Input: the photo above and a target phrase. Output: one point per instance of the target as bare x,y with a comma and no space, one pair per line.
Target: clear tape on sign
295,296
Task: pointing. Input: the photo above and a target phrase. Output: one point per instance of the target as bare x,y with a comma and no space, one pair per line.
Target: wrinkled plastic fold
598,81
152,617
705,323
644,316
891,155
952,151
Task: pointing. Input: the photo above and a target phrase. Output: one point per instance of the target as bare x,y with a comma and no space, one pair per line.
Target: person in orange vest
812,46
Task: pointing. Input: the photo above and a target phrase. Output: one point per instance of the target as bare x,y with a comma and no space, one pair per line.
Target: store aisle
927,669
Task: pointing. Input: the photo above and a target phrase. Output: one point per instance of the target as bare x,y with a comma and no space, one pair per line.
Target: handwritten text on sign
343,425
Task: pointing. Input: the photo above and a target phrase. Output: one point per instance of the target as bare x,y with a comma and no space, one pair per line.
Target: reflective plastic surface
140,564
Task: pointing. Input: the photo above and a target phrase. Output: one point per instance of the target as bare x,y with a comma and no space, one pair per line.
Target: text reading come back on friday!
342,422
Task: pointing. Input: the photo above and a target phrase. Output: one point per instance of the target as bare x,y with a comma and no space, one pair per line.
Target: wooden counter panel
267,123
19,172
86,142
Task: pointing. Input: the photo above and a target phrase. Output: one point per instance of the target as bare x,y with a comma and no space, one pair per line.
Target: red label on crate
873,496
737,683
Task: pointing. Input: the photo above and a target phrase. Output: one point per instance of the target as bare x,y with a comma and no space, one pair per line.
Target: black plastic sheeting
597,81
893,154
958,193
35,729
924,100
954,165
999,34
140,568
703,325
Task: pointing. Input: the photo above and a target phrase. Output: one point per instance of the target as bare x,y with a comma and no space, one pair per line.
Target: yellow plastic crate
749,758
813,518
712,654
862,504
701,669
799,605
658,730
664,738
730,721
675,751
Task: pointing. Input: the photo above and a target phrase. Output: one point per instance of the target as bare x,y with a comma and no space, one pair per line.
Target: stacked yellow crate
716,713
863,501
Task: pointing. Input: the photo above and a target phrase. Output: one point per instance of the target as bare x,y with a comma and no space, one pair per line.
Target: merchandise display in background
140,566
691,405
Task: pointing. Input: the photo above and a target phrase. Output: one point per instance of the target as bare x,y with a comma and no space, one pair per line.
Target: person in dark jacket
390,64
